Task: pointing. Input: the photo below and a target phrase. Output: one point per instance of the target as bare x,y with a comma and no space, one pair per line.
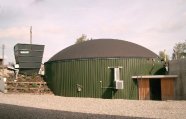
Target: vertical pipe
30,34
3,50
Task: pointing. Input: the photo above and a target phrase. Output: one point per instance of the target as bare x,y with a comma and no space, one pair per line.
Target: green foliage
163,56
33,76
34,85
81,39
179,50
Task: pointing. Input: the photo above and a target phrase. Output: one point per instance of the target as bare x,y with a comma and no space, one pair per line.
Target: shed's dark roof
103,48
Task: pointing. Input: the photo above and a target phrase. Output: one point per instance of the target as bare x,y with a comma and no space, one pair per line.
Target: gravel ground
23,105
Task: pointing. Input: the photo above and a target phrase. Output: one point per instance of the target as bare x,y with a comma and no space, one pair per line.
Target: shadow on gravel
18,112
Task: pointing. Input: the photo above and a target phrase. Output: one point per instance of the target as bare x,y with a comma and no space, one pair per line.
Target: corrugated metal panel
64,76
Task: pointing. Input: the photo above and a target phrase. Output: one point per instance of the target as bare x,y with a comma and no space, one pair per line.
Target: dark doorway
155,89
107,85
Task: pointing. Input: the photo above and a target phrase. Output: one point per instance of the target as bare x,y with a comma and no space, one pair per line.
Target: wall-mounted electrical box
118,84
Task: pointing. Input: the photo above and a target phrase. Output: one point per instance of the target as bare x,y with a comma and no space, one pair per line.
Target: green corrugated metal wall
63,76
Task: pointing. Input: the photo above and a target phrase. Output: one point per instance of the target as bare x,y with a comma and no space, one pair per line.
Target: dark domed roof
103,48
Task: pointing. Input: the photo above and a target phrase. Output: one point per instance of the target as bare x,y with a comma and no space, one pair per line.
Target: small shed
156,87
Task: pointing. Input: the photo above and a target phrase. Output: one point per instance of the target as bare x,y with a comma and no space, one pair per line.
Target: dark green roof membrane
103,48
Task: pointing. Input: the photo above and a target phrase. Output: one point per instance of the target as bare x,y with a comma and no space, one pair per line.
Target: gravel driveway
50,106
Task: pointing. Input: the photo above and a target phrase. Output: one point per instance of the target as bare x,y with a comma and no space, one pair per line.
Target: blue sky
154,24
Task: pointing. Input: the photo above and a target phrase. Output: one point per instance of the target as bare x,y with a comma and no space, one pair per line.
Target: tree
81,39
163,56
179,50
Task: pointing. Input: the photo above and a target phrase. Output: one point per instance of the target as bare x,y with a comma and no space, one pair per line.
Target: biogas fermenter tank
100,68
28,57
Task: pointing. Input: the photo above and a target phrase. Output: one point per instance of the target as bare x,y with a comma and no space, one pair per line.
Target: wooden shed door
143,89
167,89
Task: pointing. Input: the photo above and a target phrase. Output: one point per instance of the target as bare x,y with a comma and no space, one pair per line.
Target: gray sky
154,24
